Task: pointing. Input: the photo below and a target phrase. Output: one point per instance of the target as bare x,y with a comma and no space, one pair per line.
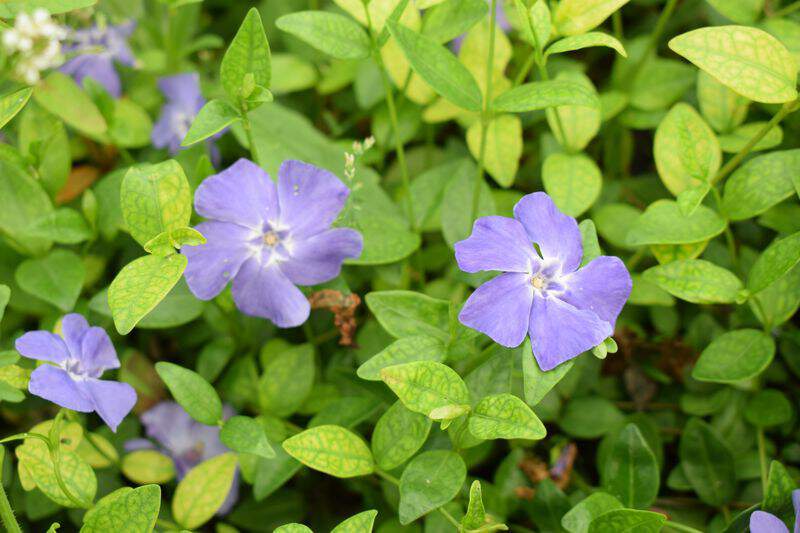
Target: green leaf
403,350
333,34
23,201
333,450
587,40
741,12
707,463
450,18
774,262
760,183
628,520
293,528
475,516
195,394
544,94
778,495
538,383
631,472
203,491
573,181
214,117
359,523
686,150
723,108
12,103
140,286
589,417
768,408
407,313
503,148
573,17
247,58
167,242
5,295
459,192
505,416
64,226
130,125
429,481
696,280
735,356
398,435
737,139
664,223
12,8
61,96
578,519
438,67
574,126
148,466
125,509
245,435
56,278
748,60
287,379
154,199
35,459
429,388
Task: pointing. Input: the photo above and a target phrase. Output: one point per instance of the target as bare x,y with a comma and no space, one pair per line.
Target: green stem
734,162
655,36
762,458
681,527
6,512
248,130
616,21
450,518
791,8
485,114
526,69
54,444
387,476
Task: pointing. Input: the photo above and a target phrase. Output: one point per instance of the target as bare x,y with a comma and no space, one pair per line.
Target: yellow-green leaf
331,449
505,416
125,509
61,96
503,147
429,388
573,181
12,103
573,17
203,491
148,466
360,523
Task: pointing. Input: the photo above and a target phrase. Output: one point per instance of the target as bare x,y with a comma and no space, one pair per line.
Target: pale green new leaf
748,60
573,17
293,528
148,466
697,281
573,181
12,103
587,40
722,107
430,388
35,459
429,481
203,491
502,149
247,57
543,94
333,450
214,117
245,435
475,517
438,67
574,126
778,259
359,523
56,278
398,435
192,392
140,286
333,34
664,223
125,509
740,11
505,416
735,356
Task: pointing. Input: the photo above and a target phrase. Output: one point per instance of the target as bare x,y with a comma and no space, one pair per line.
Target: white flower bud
10,39
24,44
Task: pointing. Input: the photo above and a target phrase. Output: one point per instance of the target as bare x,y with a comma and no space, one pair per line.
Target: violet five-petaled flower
763,522
111,44
79,355
542,291
269,238
183,100
186,441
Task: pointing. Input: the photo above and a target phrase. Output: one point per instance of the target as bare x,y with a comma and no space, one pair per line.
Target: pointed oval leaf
760,183
587,40
735,356
543,94
774,262
203,491
359,523
212,118
398,435
427,387
195,394
631,472
331,449
125,509
12,103
333,34
504,416
573,17
244,435
697,281
247,56
429,481
664,223
707,463
625,520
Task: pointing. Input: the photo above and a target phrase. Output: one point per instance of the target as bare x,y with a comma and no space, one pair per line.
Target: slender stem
616,21
54,444
762,458
734,162
526,68
248,130
6,512
485,115
450,518
655,36
681,527
387,476
791,8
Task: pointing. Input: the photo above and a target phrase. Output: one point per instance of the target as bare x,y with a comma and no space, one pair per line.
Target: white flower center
271,239
538,282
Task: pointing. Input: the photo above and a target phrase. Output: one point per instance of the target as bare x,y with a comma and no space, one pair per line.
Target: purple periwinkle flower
183,101
542,291
186,441
79,355
269,238
763,522
103,46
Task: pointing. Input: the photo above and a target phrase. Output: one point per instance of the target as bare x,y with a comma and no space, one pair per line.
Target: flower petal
310,198
97,351
261,289
212,265
496,243
43,346
761,522
560,332
166,132
500,308
242,193
133,445
602,286
98,67
796,504
73,328
170,425
183,89
319,258
55,385
112,400
556,234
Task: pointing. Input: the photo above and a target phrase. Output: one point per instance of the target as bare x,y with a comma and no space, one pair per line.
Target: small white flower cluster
34,44
350,158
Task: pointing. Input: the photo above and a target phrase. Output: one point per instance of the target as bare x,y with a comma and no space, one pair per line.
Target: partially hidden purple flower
186,441
79,355
183,101
542,292
102,46
763,522
268,238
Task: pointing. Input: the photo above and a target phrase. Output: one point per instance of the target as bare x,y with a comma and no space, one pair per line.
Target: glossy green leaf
195,394
664,223
774,262
735,356
579,518
628,520
586,40
398,435
245,435
778,495
333,450
538,383
748,60
406,314
696,281
543,94
429,388
429,481
333,34
247,58
125,509
214,117
504,416
573,181
707,463
12,103
631,472
203,491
